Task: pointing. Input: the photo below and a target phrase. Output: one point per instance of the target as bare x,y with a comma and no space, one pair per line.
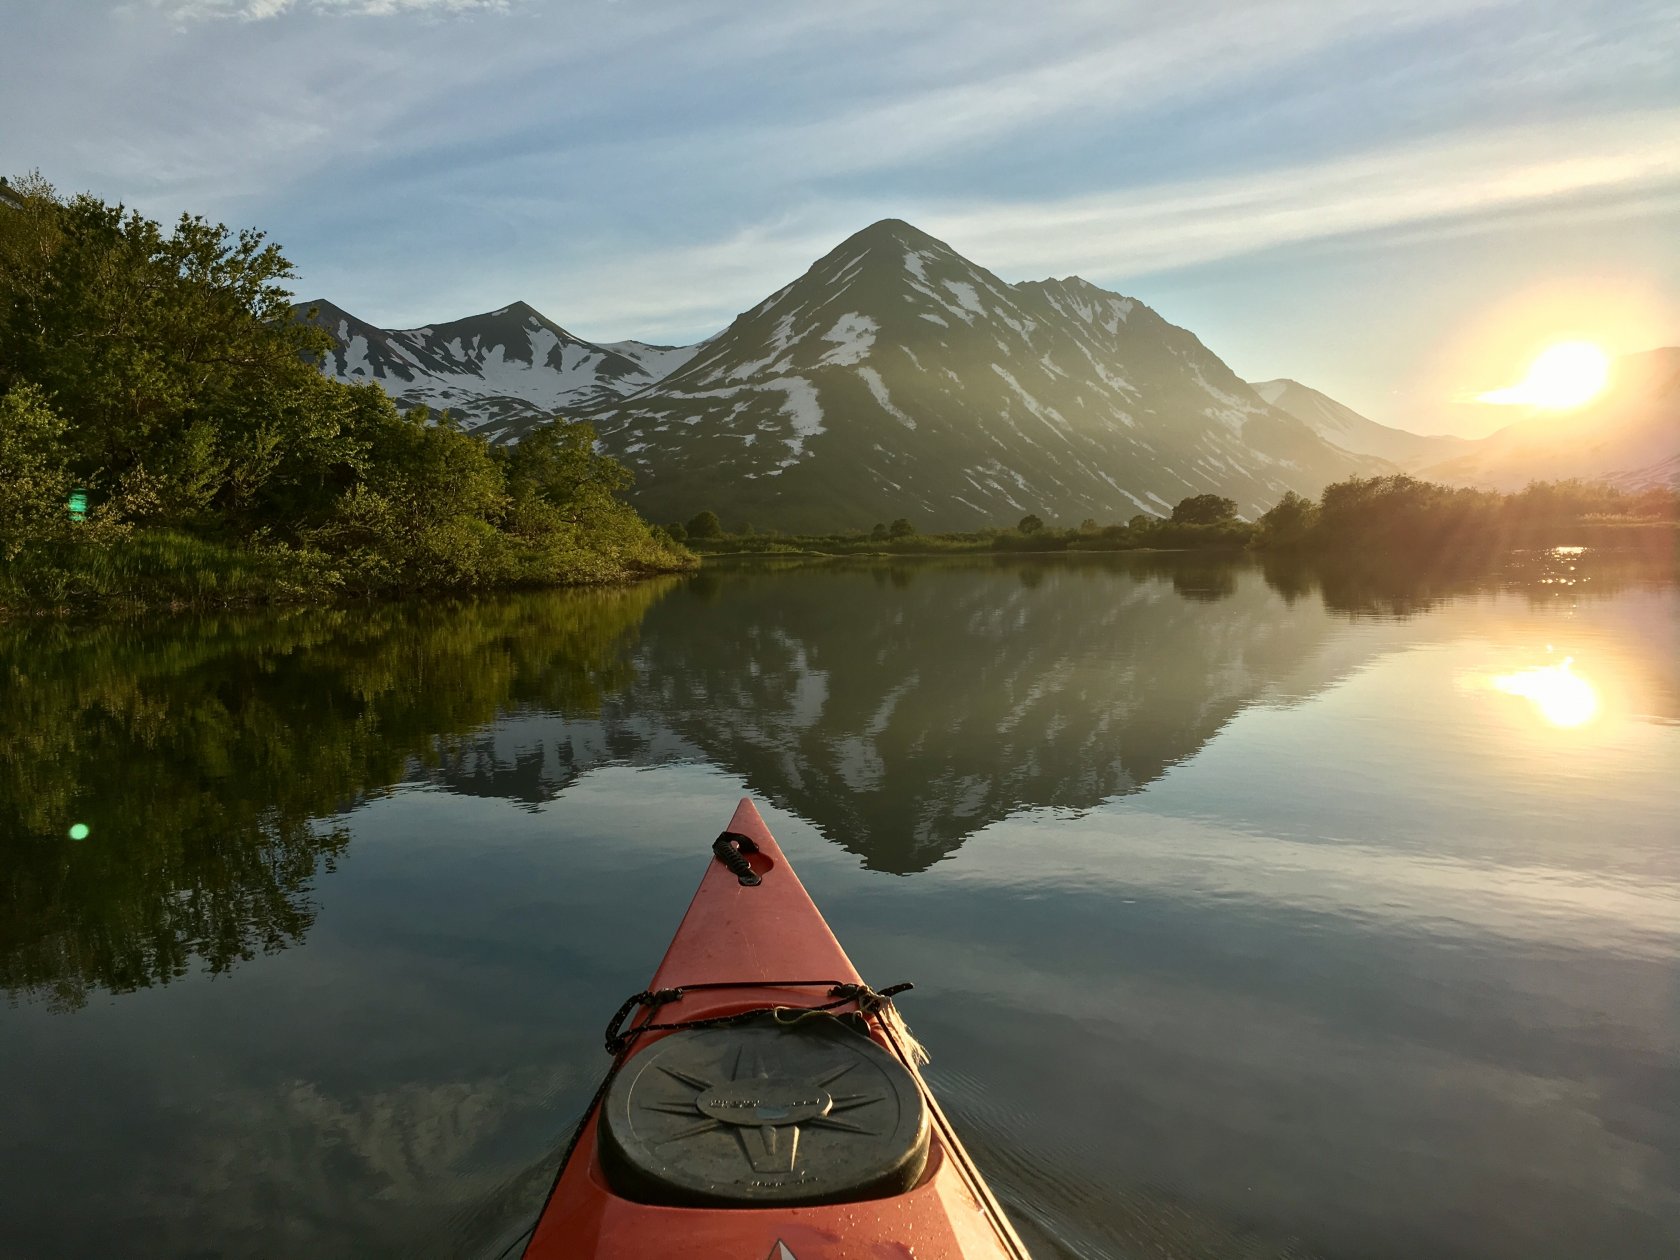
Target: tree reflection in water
208,759
899,707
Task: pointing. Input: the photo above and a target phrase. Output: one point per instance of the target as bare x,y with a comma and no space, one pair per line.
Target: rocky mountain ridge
897,378
500,371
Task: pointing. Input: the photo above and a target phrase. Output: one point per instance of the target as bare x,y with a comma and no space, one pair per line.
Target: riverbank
1652,536
1232,536
172,571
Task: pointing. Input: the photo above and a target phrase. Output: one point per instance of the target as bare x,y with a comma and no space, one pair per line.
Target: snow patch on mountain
804,409
968,301
356,356
853,335
656,361
499,372
878,390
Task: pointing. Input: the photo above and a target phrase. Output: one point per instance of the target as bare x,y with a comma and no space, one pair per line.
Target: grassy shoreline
169,571
1232,538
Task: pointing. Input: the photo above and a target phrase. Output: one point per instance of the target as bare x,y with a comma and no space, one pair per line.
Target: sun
1567,374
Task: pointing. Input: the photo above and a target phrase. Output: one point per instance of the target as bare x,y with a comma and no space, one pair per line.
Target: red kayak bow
765,1104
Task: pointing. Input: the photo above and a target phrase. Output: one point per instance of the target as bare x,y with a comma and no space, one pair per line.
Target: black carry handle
731,849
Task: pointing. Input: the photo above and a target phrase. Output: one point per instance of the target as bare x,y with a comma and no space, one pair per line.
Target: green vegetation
1205,509
1400,516
161,377
705,525
271,725
1222,531
1389,517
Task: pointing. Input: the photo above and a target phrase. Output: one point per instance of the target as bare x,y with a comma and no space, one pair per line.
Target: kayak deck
737,936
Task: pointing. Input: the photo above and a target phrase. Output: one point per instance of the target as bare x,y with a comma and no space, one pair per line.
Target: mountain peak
891,234
895,228
1073,282
1275,388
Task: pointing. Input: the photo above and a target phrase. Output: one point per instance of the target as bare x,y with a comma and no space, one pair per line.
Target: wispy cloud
260,10
1137,231
651,167
1129,63
1440,186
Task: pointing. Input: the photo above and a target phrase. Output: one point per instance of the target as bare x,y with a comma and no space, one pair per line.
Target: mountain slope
1342,425
501,371
1630,436
896,378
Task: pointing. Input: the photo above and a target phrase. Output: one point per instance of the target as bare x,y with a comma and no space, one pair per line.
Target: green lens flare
79,831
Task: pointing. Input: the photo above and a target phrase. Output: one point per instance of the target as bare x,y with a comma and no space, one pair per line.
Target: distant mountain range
1338,423
1629,435
505,369
897,378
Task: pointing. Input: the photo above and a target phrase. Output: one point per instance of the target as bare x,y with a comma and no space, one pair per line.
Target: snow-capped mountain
1629,435
1342,425
896,378
500,372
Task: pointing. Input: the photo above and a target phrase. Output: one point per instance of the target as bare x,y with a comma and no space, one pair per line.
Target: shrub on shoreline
170,439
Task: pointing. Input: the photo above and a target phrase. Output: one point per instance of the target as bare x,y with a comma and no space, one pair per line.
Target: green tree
1204,509
901,528
676,531
705,525
36,485
1288,523
422,515
879,532
559,462
174,355
1031,524
167,373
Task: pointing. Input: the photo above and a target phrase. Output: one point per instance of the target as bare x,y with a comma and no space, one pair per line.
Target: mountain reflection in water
899,707
1343,946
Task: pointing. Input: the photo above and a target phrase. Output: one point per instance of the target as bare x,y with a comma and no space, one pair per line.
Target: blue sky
1396,203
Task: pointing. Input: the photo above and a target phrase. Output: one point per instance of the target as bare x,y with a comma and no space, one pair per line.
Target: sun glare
1564,375
1563,698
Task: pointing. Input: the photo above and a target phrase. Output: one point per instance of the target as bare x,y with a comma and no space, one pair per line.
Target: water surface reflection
1340,946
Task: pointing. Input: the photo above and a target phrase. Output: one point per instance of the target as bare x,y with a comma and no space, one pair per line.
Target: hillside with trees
1384,519
169,438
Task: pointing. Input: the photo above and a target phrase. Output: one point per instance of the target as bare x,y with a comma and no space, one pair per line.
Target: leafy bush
165,373
1204,509
1401,515
705,525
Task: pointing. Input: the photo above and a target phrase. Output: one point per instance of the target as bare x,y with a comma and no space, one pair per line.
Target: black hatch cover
763,1112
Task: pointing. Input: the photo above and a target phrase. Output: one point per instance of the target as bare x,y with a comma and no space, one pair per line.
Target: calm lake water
1252,914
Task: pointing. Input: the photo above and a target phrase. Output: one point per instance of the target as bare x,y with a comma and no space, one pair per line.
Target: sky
1395,203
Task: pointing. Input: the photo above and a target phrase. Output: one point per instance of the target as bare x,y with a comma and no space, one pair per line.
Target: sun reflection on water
1562,697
